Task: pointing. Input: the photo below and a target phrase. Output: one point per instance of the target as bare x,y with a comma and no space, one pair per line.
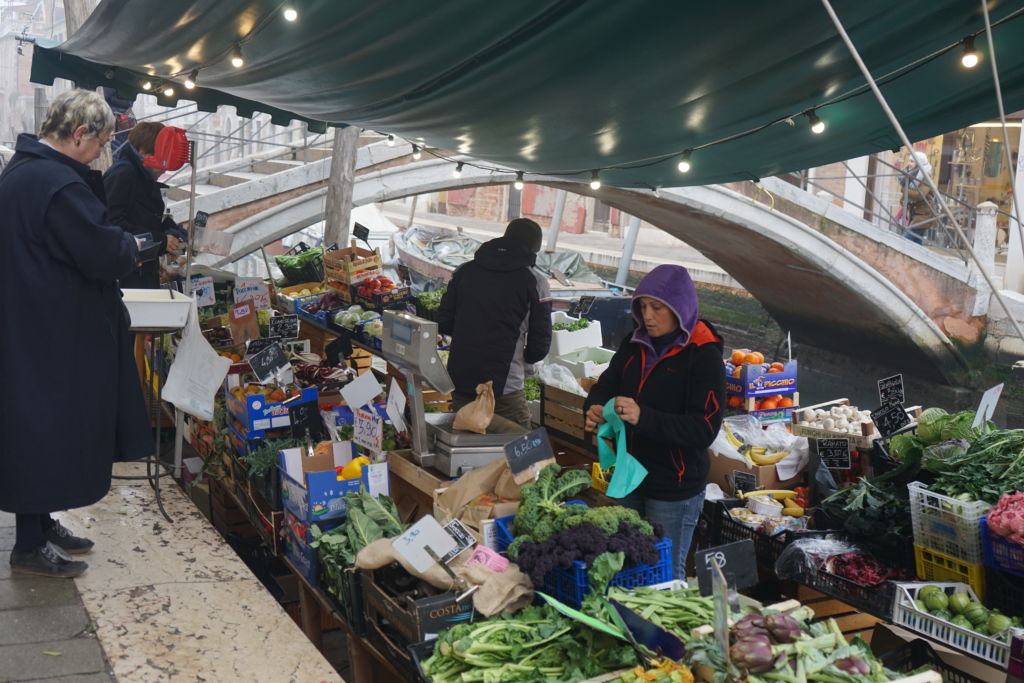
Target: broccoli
541,501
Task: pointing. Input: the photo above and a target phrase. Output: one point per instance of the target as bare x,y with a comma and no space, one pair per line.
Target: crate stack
947,538
768,391
347,270
1004,571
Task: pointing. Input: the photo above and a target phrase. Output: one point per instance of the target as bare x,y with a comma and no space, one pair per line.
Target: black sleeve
446,309
538,335
607,385
698,425
83,238
120,191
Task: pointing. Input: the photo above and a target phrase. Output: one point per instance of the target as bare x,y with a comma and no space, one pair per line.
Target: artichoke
750,625
753,654
853,665
782,627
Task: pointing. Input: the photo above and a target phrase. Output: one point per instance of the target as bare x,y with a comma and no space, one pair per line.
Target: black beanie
526,232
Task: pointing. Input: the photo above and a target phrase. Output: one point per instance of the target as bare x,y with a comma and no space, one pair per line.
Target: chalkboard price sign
528,451
201,219
361,232
268,363
257,345
737,560
285,326
890,390
890,418
305,420
833,453
582,307
337,350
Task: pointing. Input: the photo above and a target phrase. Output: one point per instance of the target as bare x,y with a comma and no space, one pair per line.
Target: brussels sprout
958,602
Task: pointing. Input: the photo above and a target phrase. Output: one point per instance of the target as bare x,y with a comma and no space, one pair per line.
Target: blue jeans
677,517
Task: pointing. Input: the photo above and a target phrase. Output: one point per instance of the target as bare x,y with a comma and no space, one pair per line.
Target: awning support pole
627,251
927,176
556,220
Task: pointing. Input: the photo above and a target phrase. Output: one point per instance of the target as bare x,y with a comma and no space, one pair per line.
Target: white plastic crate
563,341
156,309
589,361
905,614
945,524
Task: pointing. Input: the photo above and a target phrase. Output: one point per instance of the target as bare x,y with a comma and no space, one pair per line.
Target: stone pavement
45,632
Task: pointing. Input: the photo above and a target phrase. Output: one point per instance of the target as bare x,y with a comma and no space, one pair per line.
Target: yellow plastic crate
935,566
597,477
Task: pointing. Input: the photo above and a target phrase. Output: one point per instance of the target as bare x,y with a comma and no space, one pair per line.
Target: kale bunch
541,501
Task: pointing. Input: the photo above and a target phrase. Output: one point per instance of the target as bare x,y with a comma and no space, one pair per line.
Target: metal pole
412,211
191,219
556,220
927,176
627,250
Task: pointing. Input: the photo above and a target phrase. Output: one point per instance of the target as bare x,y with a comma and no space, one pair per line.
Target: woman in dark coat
134,201
71,404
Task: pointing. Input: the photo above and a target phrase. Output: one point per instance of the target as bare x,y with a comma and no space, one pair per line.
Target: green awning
562,87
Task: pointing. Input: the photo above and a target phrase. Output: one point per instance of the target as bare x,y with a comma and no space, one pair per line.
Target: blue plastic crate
318,318
1000,553
503,525
569,585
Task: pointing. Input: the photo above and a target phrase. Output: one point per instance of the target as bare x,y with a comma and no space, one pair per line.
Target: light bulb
190,82
595,181
519,181
684,165
970,56
236,57
457,173
416,152
391,140
817,125
168,91
148,85
290,14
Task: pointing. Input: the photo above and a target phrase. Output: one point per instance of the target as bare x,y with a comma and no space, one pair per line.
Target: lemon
354,469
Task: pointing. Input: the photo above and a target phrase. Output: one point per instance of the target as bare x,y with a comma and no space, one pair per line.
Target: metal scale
410,344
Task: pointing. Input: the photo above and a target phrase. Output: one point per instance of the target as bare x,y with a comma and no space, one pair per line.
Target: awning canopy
564,87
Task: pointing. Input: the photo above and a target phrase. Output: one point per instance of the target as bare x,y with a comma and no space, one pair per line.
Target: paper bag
462,501
476,416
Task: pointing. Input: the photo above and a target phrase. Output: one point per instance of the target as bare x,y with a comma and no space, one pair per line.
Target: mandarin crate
947,525
352,264
905,614
932,565
1000,553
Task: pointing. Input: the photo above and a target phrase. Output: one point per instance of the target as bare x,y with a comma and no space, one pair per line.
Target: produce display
306,291
367,519
307,266
873,513
680,610
531,388
356,317
665,671
841,419
960,609
271,394
427,303
1006,519
375,285
326,302
311,370
755,455
578,324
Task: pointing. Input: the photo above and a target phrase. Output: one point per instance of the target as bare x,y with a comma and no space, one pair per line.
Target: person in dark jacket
668,384
497,309
134,201
62,308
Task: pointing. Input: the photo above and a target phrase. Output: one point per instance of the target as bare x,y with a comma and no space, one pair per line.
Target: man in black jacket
497,310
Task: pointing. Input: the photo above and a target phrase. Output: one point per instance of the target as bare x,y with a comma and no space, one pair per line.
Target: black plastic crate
874,600
343,587
918,653
420,653
1004,591
268,486
724,529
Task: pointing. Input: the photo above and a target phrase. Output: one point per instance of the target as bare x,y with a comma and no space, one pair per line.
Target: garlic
828,423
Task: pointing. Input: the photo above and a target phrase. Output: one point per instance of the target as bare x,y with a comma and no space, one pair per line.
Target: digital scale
410,344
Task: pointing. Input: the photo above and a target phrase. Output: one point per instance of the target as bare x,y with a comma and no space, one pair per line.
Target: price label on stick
201,219
890,418
890,390
528,455
737,561
425,533
306,420
285,326
463,537
361,232
833,453
987,406
368,429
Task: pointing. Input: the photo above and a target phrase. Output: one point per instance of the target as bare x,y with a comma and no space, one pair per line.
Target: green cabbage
903,444
937,455
929,425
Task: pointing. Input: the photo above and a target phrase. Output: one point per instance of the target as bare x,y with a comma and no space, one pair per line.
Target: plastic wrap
555,375
808,554
775,438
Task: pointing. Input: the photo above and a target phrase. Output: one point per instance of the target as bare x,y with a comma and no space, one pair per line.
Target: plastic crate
315,318
918,653
1005,592
874,600
935,566
727,530
1000,553
905,614
343,587
569,584
421,652
946,524
503,527
597,478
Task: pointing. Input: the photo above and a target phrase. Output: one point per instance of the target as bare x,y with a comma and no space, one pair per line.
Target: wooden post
311,619
339,186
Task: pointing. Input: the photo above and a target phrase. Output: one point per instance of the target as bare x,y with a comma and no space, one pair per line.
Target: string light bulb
168,91
147,85
416,152
290,14
457,173
970,57
391,140
817,125
595,181
684,165
190,82
519,180
236,57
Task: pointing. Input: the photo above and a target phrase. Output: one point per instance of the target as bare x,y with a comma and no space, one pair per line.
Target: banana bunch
788,498
754,455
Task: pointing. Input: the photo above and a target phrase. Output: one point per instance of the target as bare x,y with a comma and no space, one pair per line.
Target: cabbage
929,425
937,456
901,445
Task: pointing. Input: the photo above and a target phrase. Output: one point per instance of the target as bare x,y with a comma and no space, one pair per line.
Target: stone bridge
836,281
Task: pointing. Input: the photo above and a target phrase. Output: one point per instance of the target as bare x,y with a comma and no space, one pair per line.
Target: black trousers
30,530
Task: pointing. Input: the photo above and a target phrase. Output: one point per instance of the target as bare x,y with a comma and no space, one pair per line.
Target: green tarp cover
565,86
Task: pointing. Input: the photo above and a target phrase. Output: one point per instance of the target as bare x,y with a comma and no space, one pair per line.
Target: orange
778,367
751,359
737,357
769,404
785,403
734,402
758,356
737,371
774,369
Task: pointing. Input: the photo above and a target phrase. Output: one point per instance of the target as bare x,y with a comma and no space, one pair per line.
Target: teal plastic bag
628,471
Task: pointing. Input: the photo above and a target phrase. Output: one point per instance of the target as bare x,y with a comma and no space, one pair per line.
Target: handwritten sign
361,232
987,406
527,455
252,289
243,322
306,421
890,418
463,537
257,345
737,560
833,453
582,307
425,533
743,481
368,429
202,290
269,364
285,326
890,390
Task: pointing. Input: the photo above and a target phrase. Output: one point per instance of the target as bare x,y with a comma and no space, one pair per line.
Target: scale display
402,332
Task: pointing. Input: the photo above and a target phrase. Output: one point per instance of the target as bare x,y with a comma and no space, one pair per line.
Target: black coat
681,398
71,400
497,309
134,202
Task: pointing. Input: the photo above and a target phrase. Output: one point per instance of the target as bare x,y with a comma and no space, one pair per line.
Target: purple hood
672,286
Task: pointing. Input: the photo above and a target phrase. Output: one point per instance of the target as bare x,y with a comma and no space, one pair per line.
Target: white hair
74,108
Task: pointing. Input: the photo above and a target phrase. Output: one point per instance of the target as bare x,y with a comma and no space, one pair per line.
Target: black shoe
46,560
66,541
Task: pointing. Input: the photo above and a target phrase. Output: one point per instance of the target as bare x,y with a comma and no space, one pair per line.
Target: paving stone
77,656
80,678
37,591
40,624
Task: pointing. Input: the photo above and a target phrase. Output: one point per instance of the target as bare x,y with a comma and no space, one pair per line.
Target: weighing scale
410,344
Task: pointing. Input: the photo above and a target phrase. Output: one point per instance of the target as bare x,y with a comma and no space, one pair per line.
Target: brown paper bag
476,416
461,499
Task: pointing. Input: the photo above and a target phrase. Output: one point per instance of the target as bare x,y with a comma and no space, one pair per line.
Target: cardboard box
413,620
310,488
297,538
466,499
726,472
754,380
255,415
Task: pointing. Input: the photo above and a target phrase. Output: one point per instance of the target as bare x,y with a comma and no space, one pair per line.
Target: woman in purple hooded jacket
668,384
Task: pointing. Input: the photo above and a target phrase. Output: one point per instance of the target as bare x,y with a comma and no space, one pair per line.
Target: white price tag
987,406
425,533
368,429
361,390
202,290
396,405
252,289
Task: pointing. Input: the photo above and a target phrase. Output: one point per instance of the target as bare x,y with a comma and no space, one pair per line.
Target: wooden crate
562,415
